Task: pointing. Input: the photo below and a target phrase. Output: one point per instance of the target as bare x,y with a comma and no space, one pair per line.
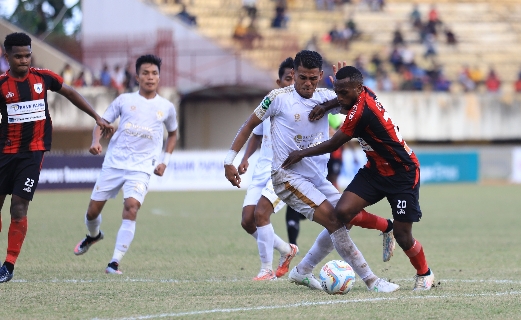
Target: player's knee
403,238
248,226
19,207
345,214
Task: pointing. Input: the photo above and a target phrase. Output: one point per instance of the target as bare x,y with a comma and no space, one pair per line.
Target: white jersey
291,130
263,166
138,141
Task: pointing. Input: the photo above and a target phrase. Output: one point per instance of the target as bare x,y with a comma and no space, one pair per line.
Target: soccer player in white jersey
134,152
304,186
261,200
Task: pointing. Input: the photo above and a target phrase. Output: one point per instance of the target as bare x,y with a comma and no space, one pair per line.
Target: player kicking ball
392,170
133,154
260,200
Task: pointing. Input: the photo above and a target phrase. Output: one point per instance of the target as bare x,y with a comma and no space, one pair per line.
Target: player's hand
294,157
95,148
160,169
339,66
106,129
231,173
317,113
243,166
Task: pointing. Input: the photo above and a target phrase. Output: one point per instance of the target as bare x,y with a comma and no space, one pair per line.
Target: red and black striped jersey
26,123
380,138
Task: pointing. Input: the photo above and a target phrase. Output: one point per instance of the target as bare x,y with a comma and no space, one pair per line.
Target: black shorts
20,172
401,190
334,166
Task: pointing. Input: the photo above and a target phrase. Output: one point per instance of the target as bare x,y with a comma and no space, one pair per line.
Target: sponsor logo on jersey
25,107
266,103
9,95
38,88
28,117
353,111
365,146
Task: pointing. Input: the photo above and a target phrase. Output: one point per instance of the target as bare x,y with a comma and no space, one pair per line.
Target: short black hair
308,59
148,58
350,72
286,64
16,39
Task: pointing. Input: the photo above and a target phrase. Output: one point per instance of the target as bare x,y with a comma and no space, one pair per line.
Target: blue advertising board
447,167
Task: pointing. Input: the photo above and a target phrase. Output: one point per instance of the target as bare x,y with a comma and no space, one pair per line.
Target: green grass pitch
191,259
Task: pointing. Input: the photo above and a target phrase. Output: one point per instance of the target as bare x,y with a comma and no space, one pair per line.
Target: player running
305,187
132,155
392,170
260,200
25,135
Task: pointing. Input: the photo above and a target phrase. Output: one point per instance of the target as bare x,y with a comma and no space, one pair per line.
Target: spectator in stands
351,25
433,15
492,82
517,84
80,80
415,17
397,36
130,80
451,37
384,82
105,78
281,18
4,66
430,46
118,78
395,58
407,56
240,30
465,80
477,76
186,17
253,36
67,74
250,6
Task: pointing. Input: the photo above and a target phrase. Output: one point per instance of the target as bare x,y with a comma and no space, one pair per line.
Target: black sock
293,230
389,226
9,266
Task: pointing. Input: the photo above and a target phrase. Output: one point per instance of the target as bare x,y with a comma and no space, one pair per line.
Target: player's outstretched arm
320,110
328,146
230,172
253,144
171,142
79,101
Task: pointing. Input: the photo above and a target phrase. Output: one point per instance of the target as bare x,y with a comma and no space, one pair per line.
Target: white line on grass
119,279
308,304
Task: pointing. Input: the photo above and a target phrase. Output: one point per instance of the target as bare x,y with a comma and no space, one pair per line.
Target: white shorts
260,188
303,195
111,180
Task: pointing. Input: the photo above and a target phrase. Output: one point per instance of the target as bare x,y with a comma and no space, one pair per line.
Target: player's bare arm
244,133
252,146
95,147
82,104
171,142
328,146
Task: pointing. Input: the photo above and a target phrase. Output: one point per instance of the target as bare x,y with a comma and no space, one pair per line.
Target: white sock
124,239
347,249
265,245
281,245
93,225
320,249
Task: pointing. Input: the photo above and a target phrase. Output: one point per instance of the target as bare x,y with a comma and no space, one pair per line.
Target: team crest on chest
159,115
38,88
132,108
297,117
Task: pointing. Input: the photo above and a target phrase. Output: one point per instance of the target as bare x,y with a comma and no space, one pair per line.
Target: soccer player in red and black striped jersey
392,170
25,134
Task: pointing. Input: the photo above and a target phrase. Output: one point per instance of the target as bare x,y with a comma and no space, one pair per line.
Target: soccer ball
337,277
